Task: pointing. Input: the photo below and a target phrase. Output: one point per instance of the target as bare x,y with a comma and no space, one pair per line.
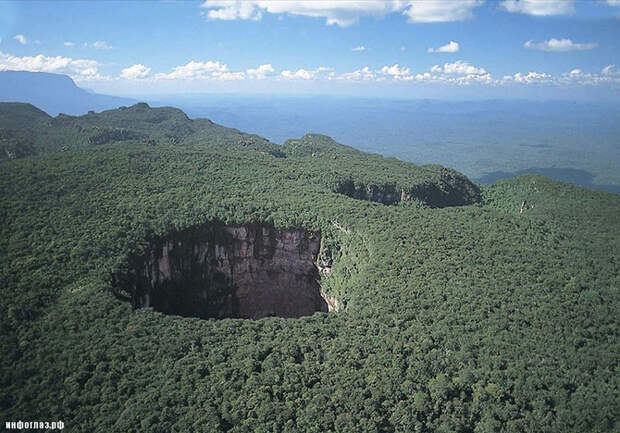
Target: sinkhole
221,271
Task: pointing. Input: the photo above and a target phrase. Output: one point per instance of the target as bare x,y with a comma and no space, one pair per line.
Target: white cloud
559,45
69,44
343,12
335,12
613,3
227,76
135,72
359,48
579,77
460,73
363,74
539,7
232,10
21,39
307,74
450,47
397,72
302,74
195,70
610,70
531,77
102,45
439,11
574,77
261,72
79,69
459,67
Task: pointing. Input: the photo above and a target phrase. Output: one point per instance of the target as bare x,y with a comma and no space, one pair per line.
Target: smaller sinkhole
222,271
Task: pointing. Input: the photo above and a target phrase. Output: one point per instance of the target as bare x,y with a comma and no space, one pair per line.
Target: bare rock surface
236,271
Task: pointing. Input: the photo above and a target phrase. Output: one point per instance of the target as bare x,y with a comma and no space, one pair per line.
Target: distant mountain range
54,93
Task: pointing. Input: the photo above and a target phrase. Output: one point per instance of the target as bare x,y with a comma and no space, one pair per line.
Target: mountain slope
345,170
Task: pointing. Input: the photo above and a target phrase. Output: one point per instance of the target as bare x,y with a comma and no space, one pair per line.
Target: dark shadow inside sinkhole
221,271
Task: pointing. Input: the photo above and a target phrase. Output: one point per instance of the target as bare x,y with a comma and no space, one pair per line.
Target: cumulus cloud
69,44
579,77
102,45
363,74
531,77
460,72
76,68
359,48
304,74
21,39
573,77
300,74
343,12
559,45
458,67
450,47
539,7
335,12
232,10
396,72
261,72
213,70
228,76
440,11
135,72
195,70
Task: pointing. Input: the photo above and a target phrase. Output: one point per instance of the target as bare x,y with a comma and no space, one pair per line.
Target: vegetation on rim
468,318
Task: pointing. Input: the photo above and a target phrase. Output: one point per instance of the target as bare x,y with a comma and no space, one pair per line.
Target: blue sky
400,48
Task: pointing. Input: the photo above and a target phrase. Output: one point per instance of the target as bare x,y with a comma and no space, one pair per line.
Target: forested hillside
451,308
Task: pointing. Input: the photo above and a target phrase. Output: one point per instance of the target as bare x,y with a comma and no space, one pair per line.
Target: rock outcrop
438,187
219,271
386,194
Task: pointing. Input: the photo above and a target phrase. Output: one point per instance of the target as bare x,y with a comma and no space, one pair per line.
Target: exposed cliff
441,187
218,271
372,177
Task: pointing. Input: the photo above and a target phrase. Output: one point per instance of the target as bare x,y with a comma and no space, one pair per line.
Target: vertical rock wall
217,271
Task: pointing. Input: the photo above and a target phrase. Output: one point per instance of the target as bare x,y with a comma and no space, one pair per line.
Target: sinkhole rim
226,271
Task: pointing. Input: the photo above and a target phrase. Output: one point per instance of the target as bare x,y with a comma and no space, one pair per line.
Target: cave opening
222,271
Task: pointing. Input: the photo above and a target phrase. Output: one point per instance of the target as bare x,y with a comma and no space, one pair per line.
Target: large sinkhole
226,271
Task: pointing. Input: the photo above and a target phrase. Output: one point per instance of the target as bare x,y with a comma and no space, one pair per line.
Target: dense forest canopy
462,308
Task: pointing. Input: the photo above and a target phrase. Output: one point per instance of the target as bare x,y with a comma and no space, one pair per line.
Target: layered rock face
218,271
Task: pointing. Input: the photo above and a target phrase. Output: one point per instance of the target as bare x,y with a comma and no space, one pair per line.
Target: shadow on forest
579,177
